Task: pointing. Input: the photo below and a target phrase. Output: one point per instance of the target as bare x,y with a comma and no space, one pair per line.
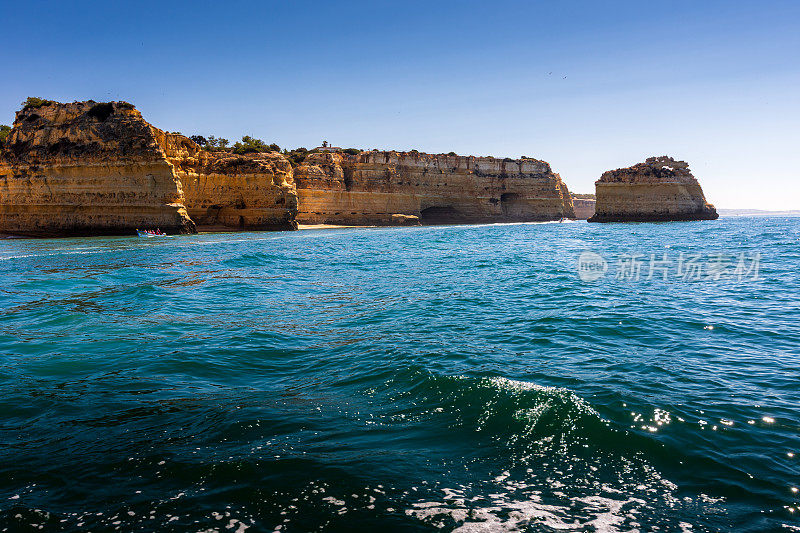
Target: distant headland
99,168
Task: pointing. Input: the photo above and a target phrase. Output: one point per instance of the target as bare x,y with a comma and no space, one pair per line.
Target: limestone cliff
660,189
87,169
584,206
226,191
376,187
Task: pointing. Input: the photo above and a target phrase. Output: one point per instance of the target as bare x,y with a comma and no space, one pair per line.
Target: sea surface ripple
457,378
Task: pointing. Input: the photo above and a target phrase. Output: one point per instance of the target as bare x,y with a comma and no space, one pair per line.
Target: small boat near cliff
150,233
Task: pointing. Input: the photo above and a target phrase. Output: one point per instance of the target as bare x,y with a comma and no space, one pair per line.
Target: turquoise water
457,378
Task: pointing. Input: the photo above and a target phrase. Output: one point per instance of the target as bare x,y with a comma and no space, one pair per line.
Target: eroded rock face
584,207
371,188
226,191
660,189
87,169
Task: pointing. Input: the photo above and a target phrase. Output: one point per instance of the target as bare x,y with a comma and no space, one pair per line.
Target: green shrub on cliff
250,145
34,102
247,145
352,151
217,143
212,144
4,131
296,156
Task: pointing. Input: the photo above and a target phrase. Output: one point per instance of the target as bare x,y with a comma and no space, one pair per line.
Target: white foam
518,505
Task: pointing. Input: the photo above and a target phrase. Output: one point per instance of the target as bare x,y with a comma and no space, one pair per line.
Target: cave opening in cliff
347,175
439,215
512,204
101,111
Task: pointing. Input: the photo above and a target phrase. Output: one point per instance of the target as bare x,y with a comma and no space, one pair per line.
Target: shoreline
328,226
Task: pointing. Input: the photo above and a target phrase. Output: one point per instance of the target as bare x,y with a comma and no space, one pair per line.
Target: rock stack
660,189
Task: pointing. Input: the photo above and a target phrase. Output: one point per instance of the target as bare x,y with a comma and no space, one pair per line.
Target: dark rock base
656,217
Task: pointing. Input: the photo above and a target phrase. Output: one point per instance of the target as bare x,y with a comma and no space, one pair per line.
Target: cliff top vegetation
34,102
247,145
250,144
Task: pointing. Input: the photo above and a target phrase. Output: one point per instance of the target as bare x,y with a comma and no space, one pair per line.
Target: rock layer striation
87,169
225,191
386,188
584,205
660,189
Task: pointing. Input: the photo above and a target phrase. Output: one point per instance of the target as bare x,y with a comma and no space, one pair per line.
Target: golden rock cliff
584,206
391,188
227,192
660,189
87,168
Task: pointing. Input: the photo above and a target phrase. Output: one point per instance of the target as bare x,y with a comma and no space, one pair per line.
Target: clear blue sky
587,86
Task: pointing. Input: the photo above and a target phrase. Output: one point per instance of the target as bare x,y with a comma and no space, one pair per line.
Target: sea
506,377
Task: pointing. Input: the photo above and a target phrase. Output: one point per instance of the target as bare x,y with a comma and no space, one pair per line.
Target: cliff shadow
513,206
440,215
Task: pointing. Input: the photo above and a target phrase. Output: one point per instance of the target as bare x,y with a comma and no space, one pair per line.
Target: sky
586,86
